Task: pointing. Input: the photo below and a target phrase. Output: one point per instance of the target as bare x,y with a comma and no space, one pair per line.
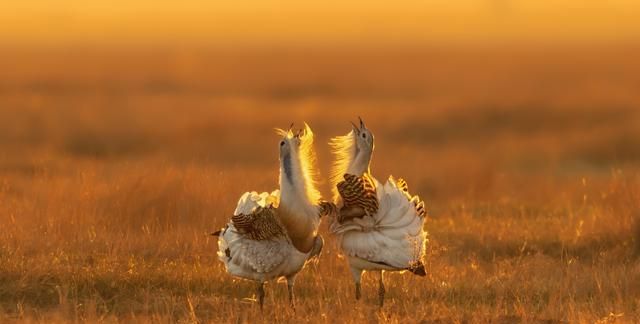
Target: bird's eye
364,135
282,143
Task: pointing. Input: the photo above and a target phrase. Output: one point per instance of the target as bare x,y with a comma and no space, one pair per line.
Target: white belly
259,260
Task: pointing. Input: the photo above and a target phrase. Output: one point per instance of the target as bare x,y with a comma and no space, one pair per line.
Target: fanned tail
419,206
418,203
394,236
402,185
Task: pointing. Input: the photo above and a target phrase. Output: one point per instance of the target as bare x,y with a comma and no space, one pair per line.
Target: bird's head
363,137
289,141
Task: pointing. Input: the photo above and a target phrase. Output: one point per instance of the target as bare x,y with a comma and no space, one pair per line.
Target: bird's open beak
289,132
355,128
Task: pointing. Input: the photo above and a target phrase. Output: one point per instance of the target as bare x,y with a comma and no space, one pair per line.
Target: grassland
115,164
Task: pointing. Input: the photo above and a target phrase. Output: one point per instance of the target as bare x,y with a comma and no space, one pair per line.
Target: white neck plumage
296,210
360,164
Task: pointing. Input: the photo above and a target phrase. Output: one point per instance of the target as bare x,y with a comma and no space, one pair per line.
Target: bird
378,227
273,235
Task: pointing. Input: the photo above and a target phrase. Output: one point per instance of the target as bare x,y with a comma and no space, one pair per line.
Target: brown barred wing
327,209
371,196
260,225
359,192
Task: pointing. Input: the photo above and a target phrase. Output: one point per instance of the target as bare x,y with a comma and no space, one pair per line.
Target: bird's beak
361,123
355,128
289,132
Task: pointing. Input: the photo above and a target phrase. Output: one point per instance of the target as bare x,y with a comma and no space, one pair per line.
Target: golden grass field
115,164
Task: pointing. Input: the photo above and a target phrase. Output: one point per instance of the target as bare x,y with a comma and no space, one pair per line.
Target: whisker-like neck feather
298,196
348,159
294,193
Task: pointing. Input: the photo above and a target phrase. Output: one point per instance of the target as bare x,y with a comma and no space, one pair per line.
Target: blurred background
464,91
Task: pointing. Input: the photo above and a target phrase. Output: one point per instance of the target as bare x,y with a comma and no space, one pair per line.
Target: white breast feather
249,201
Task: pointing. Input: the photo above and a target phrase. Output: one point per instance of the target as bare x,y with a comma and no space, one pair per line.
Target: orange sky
329,22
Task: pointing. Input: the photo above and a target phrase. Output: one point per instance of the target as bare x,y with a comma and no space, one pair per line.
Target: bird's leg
290,281
357,275
381,291
260,293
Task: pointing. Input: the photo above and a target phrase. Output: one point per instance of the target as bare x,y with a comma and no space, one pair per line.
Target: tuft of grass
635,233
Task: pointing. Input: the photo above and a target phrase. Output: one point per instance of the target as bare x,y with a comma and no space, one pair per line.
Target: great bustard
274,235
378,227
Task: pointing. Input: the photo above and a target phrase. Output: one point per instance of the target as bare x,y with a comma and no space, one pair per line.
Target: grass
113,172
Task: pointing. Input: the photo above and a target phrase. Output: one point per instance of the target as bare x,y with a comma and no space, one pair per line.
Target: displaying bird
378,227
273,235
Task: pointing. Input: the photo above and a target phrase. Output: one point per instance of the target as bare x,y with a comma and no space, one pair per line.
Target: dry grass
114,168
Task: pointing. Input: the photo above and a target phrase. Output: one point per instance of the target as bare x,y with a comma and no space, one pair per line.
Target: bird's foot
260,292
381,292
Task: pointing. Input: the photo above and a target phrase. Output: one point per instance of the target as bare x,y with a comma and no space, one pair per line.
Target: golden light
288,22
